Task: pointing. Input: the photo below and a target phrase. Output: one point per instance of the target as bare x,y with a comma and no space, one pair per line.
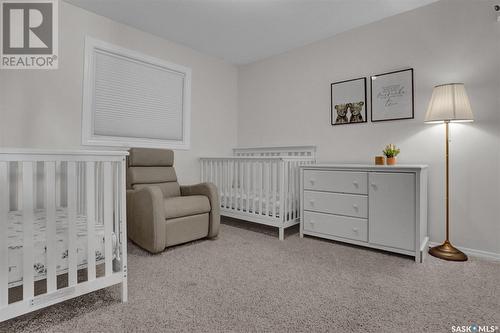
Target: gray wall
42,109
286,100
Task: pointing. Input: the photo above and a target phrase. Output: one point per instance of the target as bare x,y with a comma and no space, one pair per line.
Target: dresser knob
355,183
374,186
311,223
355,207
311,202
312,181
356,230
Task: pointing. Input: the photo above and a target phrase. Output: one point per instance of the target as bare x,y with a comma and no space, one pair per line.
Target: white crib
62,227
260,185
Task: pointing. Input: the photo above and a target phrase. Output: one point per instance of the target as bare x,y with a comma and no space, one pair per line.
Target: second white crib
259,185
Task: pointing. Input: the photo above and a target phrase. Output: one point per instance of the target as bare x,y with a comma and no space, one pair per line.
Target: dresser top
366,166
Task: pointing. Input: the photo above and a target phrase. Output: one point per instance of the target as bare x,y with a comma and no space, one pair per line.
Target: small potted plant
391,151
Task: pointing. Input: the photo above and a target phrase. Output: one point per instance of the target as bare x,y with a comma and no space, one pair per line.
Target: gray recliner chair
160,212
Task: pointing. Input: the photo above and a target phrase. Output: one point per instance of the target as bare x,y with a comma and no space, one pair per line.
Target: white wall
285,100
42,109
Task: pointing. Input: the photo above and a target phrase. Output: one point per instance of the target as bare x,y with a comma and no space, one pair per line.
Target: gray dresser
383,207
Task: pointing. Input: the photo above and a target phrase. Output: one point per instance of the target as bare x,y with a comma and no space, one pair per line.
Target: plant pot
379,160
391,160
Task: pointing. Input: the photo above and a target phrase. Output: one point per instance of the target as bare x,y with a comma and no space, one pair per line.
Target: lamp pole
447,126
446,250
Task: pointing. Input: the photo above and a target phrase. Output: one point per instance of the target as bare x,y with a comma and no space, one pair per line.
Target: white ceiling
243,31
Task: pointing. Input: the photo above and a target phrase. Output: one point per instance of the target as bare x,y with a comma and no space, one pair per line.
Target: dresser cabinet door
392,210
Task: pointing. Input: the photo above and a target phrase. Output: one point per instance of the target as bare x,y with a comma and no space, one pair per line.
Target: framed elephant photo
348,102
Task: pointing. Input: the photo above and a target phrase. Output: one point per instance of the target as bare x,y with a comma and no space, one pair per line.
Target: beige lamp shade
449,103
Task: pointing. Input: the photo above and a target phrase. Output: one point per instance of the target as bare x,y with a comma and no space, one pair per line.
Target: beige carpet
247,280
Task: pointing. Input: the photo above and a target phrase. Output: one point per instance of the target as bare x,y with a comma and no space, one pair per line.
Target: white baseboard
474,252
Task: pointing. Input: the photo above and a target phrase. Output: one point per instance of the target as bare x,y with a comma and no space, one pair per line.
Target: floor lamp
449,103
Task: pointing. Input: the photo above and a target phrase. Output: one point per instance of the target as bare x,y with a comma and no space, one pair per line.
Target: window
132,100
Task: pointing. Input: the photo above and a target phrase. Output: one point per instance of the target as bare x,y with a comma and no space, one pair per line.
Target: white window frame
88,135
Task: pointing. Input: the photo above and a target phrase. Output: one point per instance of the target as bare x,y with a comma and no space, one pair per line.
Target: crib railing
283,151
83,183
261,189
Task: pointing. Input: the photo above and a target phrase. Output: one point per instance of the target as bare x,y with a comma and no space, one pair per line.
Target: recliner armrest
210,191
146,218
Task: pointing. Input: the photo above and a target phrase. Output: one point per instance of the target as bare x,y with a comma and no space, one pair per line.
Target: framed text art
392,96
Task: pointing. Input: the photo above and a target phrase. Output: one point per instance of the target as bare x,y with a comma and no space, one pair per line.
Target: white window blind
133,100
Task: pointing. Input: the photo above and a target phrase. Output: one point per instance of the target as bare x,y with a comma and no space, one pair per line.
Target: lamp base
446,251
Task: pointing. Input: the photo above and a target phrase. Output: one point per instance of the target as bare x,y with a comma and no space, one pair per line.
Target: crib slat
236,184
217,176
268,186
231,184
4,246
261,186
19,186
212,173
274,191
283,195
228,182
222,189
222,183
122,233
291,184
247,166
205,170
35,185
116,197
221,176
209,170
296,185
291,195
28,219
295,192
50,197
209,174
72,203
254,189
241,183
91,238
291,181
58,184
108,218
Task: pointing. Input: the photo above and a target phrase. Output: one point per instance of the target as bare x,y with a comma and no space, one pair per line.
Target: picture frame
392,96
348,102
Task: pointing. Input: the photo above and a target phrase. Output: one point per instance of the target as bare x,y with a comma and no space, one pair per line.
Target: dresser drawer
336,203
335,225
336,181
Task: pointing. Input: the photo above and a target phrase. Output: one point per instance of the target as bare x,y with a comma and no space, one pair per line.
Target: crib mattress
15,243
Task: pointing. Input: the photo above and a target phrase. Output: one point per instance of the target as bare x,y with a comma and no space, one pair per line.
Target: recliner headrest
150,157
